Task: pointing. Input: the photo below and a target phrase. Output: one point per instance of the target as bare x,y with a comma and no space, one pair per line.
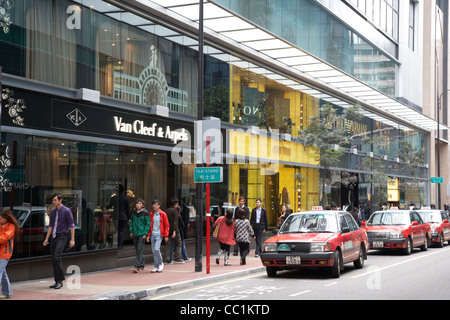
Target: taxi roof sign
315,208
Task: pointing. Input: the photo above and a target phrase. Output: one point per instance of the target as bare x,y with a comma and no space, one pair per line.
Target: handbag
111,228
216,230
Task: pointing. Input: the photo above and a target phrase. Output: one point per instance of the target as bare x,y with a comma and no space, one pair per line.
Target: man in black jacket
174,233
259,223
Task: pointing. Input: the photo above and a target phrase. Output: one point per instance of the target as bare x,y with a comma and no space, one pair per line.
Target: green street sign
437,180
208,175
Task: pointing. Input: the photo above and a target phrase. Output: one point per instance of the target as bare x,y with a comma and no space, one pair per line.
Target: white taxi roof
319,212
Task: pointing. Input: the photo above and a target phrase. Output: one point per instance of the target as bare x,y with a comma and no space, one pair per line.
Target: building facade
102,94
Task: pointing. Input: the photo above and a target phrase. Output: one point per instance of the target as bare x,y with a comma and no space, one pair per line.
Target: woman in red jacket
225,236
9,229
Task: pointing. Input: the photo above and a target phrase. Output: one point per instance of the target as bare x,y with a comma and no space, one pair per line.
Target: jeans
183,250
139,247
6,285
176,244
156,240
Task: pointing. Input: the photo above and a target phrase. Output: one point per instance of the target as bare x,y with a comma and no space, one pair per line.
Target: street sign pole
208,213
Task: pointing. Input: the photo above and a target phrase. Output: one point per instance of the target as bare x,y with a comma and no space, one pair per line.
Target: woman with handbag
225,235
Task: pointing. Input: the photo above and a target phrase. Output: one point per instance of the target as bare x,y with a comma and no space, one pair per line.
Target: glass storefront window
310,27
86,175
147,65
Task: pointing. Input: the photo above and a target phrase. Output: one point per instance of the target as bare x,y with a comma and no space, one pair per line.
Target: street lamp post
439,149
199,211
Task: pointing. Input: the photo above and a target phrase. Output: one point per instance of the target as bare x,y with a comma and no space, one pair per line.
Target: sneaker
5,297
155,269
135,270
188,259
160,268
179,261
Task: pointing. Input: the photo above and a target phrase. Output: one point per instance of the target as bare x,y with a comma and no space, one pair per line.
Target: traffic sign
208,175
437,180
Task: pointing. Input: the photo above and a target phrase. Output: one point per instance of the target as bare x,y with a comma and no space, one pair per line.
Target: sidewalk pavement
123,284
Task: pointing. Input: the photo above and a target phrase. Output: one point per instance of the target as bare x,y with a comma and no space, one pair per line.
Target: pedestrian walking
61,224
243,234
282,216
259,223
182,229
121,204
247,215
225,236
9,229
139,228
159,231
174,233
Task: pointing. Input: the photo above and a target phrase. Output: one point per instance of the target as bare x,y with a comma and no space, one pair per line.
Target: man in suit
247,210
259,223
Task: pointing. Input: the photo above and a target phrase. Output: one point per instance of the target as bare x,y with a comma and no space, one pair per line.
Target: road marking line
207,286
331,284
299,293
398,263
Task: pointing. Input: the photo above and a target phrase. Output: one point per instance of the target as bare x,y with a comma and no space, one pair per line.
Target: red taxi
439,223
397,229
316,239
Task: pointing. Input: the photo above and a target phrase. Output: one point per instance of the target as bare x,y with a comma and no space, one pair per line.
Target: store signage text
139,127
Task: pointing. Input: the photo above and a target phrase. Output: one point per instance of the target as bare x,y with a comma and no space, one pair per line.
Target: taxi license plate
294,260
378,244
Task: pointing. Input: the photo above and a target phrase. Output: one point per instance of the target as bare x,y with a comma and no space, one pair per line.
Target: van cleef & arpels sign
44,112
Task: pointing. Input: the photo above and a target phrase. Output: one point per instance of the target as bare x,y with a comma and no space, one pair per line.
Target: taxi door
355,235
347,245
418,230
445,225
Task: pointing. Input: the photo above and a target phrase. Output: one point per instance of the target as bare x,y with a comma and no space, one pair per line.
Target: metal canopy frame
229,27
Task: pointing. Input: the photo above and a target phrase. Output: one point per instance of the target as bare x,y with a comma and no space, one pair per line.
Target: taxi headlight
396,235
320,247
270,247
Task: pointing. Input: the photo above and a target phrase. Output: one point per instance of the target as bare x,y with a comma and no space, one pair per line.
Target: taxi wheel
424,247
337,267
441,242
271,271
359,263
408,248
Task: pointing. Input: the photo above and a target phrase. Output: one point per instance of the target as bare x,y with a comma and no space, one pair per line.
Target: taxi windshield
389,218
431,216
310,223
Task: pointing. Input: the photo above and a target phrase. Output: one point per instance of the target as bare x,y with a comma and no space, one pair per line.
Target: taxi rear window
309,223
389,218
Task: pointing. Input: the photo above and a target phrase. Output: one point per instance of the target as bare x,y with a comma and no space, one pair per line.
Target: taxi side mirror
345,229
415,223
363,224
445,221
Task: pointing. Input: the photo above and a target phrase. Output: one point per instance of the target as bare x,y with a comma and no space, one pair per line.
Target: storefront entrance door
144,175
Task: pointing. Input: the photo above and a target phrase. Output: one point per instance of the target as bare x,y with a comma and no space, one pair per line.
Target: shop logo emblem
76,117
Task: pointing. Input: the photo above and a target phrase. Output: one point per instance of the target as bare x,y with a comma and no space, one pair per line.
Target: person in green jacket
139,228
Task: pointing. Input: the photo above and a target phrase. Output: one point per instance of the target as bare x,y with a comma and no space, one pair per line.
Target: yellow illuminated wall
273,182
